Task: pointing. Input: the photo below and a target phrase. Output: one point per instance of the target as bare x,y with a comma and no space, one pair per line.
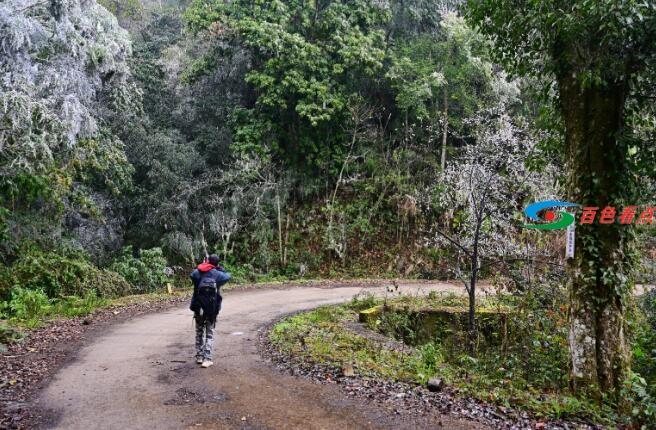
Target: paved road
141,375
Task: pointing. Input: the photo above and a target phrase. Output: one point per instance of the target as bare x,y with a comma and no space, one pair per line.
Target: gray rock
98,235
434,385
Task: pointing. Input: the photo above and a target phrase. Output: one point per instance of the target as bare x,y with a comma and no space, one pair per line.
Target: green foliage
288,329
25,189
73,306
20,194
316,336
640,400
596,58
29,305
60,275
132,9
415,88
59,96
146,272
534,37
402,325
310,59
429,359
537,348
444,70
303,92
102,164
240,273
362,301
644,345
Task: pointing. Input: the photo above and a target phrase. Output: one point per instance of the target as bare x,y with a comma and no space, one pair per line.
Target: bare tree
486,185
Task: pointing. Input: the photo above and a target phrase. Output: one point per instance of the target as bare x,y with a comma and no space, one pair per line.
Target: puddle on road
186,396
175,372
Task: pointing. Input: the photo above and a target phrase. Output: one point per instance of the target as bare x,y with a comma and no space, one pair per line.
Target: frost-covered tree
485,186
63,70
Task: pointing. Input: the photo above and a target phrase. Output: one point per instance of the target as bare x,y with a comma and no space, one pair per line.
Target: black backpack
207,304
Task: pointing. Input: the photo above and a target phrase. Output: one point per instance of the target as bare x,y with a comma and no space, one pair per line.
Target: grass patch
524,368
29,309
318,337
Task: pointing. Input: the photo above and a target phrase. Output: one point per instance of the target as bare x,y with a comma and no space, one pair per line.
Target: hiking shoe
199,360
206,363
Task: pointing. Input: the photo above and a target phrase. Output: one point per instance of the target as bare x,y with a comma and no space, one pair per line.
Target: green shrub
28,305
146,273
644,345
428,361
401,325
362,301
73,306
60,275
6,283
107,284
642,405
240,274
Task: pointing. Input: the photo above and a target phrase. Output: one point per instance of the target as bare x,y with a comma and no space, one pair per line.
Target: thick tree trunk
600,271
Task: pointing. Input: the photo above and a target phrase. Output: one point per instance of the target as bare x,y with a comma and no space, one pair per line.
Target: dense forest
325,139
295,139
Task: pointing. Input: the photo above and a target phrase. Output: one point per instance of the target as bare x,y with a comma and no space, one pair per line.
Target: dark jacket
220,277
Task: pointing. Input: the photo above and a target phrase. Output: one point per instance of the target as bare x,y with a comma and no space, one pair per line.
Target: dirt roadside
27,365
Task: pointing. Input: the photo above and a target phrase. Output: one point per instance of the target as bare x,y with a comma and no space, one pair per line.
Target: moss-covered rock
369,316
446,324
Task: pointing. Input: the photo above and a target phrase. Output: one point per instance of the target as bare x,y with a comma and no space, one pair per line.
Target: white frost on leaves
487,186
59,61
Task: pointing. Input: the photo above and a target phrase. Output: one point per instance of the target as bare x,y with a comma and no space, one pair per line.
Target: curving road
141,375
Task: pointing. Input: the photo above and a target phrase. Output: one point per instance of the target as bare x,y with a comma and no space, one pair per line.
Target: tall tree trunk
600,272
286,241
445,129
280,248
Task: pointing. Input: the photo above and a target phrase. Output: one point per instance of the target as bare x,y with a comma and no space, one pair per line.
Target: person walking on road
207,278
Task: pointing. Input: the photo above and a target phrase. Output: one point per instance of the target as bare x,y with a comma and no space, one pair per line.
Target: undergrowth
523,368
43,284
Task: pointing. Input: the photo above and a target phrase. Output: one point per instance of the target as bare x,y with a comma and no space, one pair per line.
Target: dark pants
204,338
